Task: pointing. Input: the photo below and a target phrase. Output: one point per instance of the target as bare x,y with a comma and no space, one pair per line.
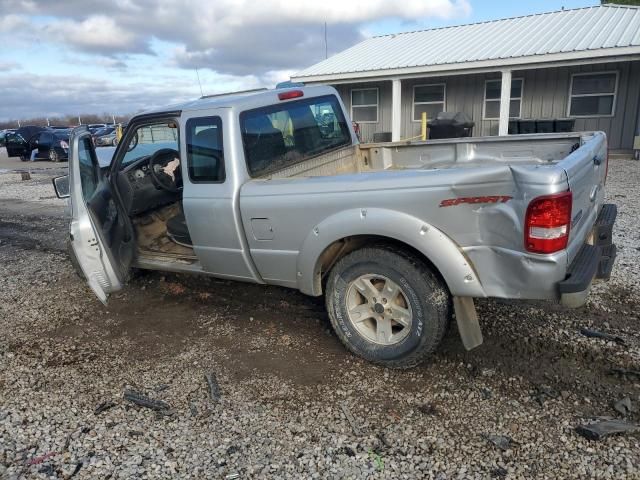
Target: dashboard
138,190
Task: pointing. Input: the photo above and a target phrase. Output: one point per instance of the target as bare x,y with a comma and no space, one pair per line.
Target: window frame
268,107
414,103
377,104
484,98
187,124
614,93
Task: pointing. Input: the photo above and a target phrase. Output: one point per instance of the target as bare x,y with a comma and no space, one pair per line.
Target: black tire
426,294
23,158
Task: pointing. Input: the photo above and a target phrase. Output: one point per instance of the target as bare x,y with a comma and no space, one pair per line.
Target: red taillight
290,94
547,223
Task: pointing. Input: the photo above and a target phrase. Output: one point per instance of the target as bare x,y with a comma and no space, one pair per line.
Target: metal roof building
506,49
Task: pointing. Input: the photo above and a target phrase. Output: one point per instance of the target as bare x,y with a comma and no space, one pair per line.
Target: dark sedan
39,143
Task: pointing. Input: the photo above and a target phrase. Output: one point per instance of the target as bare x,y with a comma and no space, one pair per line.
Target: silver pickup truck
274,188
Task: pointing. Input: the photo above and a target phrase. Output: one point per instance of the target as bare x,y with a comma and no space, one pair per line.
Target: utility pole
326,51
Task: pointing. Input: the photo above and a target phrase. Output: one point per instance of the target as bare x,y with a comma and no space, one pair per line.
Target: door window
205,155
281,135
88,168
45,139
148,139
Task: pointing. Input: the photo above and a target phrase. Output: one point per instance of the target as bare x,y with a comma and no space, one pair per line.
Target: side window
429,99
492,92
88,168
364,105
593,94
148,139
205,155
281,135
44,139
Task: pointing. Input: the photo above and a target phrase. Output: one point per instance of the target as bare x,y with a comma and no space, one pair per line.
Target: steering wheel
158,162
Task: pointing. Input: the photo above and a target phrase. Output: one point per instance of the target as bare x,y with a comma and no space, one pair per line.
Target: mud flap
467,319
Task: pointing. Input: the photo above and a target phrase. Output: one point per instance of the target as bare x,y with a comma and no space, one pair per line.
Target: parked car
21,142
396,236
105,137
94,127
49,144
3,135
52,145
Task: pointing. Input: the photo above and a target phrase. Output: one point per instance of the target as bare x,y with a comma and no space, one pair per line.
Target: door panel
100,234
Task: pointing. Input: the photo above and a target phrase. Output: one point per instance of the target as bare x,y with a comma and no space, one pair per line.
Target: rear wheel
387,306
53,155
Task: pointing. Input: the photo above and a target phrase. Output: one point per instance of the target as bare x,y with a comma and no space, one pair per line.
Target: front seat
177,229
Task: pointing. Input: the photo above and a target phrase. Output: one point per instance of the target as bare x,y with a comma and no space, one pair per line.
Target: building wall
545,95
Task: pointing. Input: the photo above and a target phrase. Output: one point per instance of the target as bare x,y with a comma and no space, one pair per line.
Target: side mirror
61,186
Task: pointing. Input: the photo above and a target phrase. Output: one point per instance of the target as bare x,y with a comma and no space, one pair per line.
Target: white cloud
97,33
229,36
136,51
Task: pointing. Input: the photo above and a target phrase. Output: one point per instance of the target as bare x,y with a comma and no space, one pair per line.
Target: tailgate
586,171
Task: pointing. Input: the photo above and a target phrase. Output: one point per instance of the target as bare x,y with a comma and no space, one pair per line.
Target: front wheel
53,155
387,306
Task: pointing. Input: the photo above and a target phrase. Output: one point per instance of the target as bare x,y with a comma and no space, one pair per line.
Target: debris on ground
103,407
25,176
428,409
214,387
624,406
503,442
544,392
76,470
625,372
145,401
41,458
604,428
351,419
605,336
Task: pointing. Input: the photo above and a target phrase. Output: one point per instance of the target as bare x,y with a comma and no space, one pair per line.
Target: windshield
62,134
148,139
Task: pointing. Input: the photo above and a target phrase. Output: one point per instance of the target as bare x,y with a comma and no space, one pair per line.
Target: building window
492,98
430,99
364,105
593,94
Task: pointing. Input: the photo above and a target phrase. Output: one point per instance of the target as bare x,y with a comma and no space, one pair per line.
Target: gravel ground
293,403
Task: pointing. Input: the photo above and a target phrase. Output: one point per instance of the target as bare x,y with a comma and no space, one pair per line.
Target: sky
123,56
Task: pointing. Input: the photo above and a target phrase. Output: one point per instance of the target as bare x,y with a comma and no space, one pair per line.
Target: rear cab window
205,154
284,134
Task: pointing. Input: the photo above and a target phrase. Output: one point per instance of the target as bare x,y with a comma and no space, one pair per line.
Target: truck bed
537,149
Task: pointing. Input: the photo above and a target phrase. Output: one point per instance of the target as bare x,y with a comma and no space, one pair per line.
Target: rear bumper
594,260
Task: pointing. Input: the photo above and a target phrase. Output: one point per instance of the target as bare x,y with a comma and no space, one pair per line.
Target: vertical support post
396,109
505,99
423,130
